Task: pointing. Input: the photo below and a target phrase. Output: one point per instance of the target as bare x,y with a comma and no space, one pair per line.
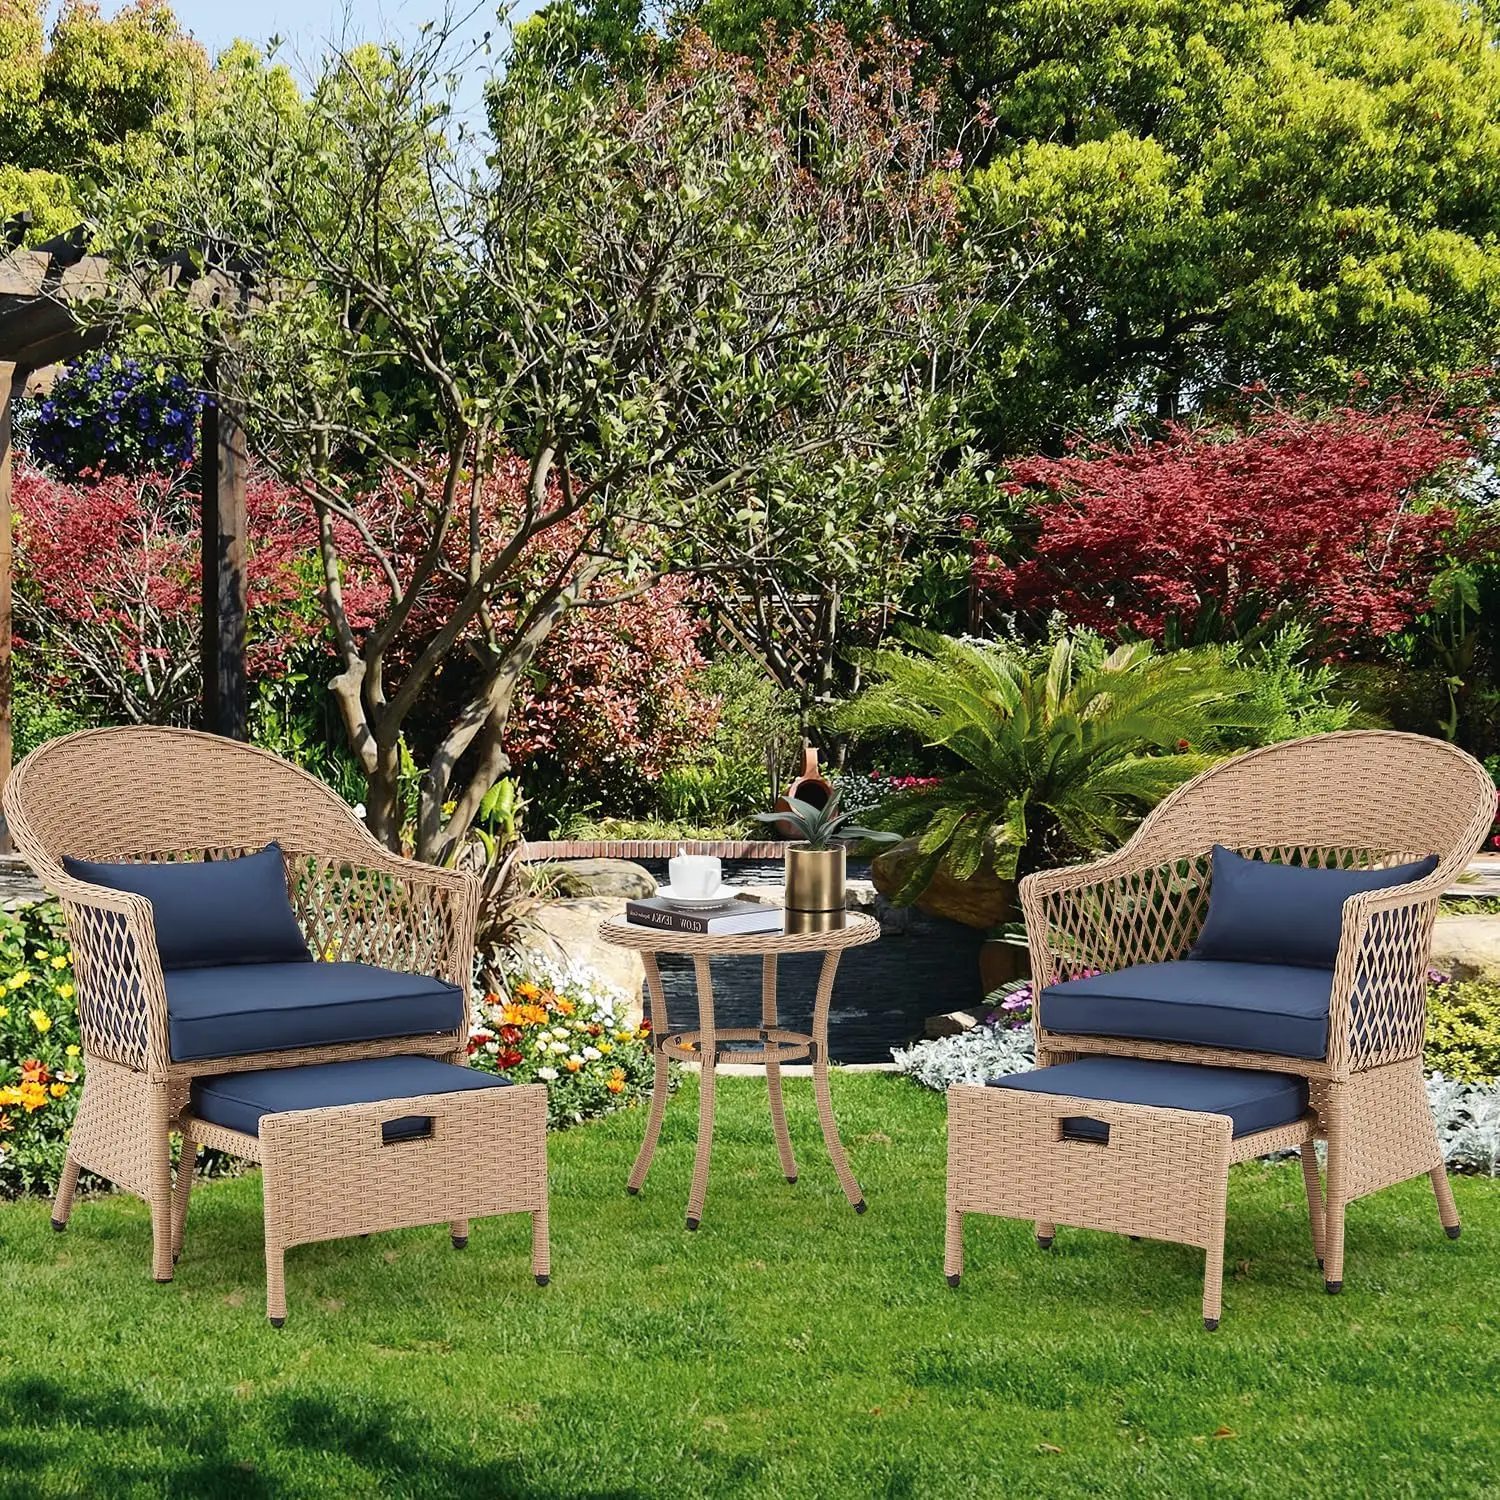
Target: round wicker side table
706,1044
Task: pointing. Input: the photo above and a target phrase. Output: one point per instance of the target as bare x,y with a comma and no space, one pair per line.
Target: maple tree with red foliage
1204,535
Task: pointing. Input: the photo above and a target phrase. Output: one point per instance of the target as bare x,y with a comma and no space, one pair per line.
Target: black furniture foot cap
1045,1241
634,1192
460,1242
59,1225
861,1206
1211,1324
543,1280
692,1224
162,1280
953,1280
1451,1230
1135,1239
276,1322
1333,1288
792,1178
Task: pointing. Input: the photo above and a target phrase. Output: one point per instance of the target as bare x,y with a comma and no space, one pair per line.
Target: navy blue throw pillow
1263,913
211,912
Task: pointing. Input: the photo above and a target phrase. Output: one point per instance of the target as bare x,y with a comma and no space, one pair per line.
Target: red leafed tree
110,585
603,698
1206,535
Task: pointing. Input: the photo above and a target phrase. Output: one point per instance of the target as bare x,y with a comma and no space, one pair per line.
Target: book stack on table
744,914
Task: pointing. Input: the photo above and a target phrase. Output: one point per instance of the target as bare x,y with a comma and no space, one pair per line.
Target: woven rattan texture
329,1175
1164,1172
703,1044
156,794
1362,798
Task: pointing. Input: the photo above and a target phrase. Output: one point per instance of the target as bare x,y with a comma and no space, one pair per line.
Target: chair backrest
1361,797
140,793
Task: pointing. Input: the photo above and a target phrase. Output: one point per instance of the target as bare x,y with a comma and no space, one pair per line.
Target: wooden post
12,388
222,459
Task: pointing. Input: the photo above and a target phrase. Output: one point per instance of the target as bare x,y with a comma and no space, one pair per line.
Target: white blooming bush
566,1028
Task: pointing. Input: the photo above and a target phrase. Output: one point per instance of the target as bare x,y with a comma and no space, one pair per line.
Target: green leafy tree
1046,756
1221,193
1305,197
92,99
650,298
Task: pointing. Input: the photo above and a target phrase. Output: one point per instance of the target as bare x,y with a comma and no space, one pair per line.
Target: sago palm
1057,755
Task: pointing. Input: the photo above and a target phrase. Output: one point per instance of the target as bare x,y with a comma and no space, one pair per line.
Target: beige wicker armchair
1362,799
144,794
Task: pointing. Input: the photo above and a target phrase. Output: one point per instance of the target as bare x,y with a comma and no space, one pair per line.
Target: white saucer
724,896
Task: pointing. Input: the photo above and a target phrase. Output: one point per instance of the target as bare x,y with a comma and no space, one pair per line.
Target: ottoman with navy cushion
1124,1144
351,1148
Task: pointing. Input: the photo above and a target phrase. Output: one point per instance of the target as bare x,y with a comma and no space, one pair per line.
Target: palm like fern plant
1055,758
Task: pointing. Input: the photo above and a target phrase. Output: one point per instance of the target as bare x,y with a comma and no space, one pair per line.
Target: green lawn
789,1348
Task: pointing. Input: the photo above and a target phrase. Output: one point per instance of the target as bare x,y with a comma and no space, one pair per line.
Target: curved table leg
659,1084
820,1083
709,1048
773,1070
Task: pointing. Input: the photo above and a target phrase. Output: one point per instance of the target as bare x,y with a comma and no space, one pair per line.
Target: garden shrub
561,1027
1211,535
1463,1030
41,1066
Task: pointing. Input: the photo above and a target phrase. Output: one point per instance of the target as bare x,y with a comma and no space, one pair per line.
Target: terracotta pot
808,786
814,888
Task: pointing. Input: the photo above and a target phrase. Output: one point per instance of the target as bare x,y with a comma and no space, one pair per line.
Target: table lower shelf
778,1045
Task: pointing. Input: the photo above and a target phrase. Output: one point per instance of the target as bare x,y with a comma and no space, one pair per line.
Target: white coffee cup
694,875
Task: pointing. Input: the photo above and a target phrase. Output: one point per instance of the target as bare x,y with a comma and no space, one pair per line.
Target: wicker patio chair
1360,799
146,794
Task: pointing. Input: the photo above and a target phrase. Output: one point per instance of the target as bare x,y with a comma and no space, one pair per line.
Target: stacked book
743,914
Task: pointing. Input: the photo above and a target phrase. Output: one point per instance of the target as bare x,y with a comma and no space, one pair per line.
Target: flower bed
40,1064
560,1027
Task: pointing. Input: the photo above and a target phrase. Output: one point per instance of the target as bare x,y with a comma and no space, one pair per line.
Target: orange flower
522,1015
572,1065
526,990
33,1071
33,1096
563,1007
616,1085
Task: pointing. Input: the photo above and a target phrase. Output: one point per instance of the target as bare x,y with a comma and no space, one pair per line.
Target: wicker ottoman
1136,1147
350,1148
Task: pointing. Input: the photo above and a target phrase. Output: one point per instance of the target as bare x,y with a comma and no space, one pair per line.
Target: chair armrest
1134,906
383,909
122,998
1378,1008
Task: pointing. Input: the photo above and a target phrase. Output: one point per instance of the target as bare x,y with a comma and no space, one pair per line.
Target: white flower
492,1047
359,809
557,1046
591,1053
575,1058
546,1074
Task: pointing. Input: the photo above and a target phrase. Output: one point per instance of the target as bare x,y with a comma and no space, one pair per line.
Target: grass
787,1349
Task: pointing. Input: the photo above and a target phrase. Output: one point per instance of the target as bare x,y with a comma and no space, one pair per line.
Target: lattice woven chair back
148,793
1360,797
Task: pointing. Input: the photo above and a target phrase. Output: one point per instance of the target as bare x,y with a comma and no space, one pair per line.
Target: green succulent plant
820,828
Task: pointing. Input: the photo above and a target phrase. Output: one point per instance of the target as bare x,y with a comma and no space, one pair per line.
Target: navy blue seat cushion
1280,1008
1253,1100
216,911
238,1100
244,1008
1263,913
